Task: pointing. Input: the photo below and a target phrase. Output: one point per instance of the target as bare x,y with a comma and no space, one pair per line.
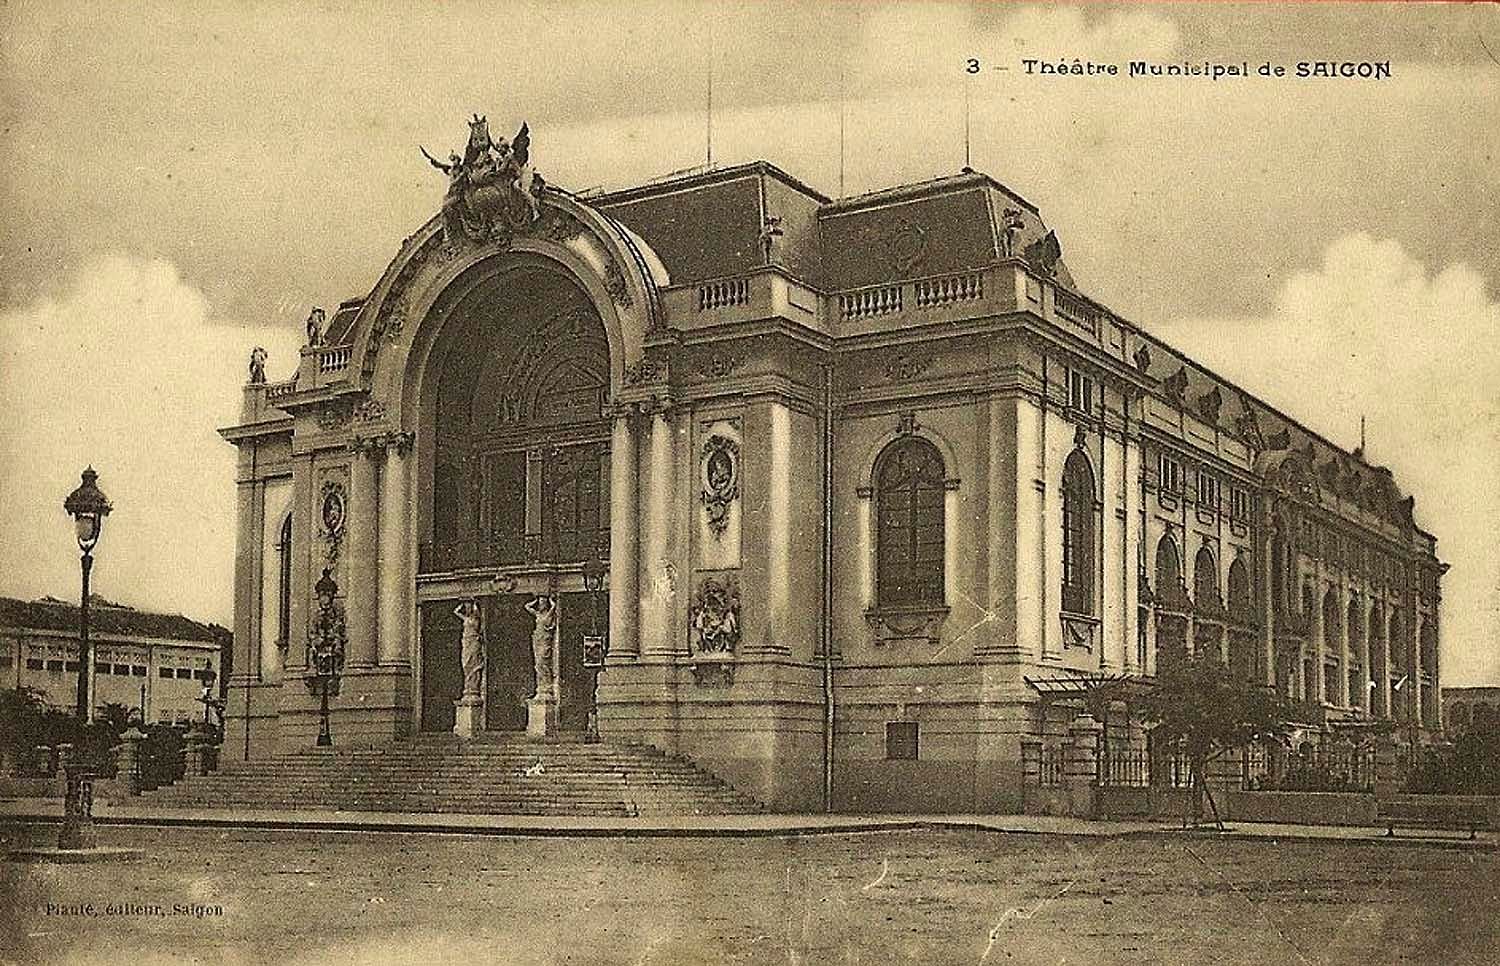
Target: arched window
1078,535
1206,577
1168,569
1239,589
284,583
909,482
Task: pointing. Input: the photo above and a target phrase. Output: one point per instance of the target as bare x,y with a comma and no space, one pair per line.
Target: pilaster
394,578
363,518
624,511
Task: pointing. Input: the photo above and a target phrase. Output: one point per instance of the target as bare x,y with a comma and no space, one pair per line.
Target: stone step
488,776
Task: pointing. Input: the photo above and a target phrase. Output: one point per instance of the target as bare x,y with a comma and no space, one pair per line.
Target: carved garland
719,470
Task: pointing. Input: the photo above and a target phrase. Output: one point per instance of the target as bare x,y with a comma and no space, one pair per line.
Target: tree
1196,704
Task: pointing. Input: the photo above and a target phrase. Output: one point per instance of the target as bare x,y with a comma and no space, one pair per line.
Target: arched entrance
517,485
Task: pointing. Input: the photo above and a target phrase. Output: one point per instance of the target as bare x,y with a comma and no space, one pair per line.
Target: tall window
1208,490
909,513
1080,391
1078,535
1169,474
284,583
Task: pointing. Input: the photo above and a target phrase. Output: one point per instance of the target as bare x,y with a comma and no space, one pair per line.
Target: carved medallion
715,616
906,244
719,470
332,516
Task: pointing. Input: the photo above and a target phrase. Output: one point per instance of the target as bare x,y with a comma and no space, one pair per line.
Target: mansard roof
711,224
51,614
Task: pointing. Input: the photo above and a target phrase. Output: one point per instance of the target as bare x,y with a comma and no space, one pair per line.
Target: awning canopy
1089,684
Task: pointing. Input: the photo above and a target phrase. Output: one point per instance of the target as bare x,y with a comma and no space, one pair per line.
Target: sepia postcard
773,482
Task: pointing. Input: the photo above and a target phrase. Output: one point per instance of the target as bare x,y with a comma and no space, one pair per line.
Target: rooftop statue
492,189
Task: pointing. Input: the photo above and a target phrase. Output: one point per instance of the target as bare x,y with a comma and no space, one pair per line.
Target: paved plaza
898,896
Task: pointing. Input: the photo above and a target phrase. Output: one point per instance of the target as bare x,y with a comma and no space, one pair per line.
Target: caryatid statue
543,638
472,650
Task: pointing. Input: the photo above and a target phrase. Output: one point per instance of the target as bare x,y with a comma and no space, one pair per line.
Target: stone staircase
496,774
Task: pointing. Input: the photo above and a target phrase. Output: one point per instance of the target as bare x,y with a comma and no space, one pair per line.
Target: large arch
504,363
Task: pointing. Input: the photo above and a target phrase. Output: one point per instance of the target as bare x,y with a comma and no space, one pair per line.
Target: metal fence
1052,765
1124,769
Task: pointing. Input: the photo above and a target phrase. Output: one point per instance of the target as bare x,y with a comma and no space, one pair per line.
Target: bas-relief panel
330,523
718,494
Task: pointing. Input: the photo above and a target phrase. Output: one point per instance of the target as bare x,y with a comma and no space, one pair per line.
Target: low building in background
154,664
1466,709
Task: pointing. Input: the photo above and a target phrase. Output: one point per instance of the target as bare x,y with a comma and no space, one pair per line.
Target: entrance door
575,681
442,671
509,676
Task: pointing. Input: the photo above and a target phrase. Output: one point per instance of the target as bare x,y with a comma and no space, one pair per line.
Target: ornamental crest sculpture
716,617
492,190
720,471
332,514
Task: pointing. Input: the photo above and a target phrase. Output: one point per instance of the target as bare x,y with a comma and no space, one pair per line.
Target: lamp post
595,646
325,651
88,507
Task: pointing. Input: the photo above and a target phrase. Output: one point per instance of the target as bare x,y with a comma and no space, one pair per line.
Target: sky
183,181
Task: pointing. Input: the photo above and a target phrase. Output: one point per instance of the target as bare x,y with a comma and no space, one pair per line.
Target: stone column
1317,643
1414,649
393,577
1341,645
362,546
305,538
658,579
246,581
624,588
1266,596
1383,679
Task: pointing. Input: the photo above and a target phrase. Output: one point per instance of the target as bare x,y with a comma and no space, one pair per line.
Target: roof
716,223
50,614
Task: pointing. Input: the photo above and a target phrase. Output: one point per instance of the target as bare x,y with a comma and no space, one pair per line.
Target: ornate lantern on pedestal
326,639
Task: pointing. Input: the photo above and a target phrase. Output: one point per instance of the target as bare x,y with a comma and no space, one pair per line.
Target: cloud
1374,331
126,370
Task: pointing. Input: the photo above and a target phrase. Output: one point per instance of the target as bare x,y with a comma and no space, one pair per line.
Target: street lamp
88,506
595,645
325,651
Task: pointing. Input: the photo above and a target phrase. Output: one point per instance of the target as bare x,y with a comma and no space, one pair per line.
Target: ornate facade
871,480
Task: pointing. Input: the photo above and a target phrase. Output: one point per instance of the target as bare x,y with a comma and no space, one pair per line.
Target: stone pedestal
541,717
196,752
468,716
128,764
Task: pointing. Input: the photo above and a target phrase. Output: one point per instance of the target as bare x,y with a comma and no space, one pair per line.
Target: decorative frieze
906,366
